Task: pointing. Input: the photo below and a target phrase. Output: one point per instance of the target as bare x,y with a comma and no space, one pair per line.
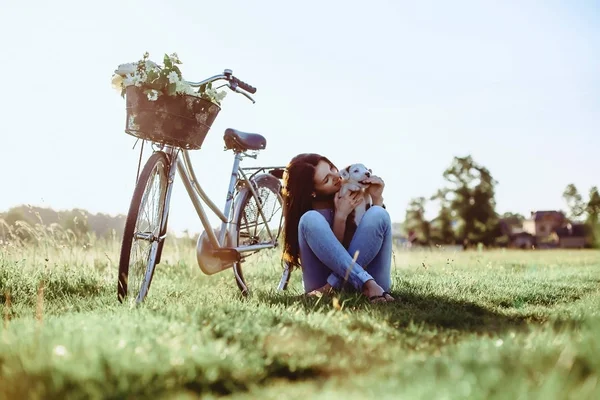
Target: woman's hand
375,189
345,204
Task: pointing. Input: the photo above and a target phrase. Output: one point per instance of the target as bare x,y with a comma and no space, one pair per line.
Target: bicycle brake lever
245,94
238,90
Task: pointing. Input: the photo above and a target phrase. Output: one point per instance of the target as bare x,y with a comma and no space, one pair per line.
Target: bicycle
253,200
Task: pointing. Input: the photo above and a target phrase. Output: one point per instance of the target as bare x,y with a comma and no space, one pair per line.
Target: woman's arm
376,189
343,207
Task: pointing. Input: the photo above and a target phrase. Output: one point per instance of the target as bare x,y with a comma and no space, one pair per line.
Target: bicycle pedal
227,254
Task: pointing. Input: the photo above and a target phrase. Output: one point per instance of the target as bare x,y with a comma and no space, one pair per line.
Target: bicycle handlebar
243,85
206,81
235,84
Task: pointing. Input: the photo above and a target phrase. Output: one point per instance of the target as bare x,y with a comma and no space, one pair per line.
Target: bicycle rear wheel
141,237
251,227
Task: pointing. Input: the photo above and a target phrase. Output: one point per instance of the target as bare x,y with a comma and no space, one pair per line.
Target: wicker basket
181,120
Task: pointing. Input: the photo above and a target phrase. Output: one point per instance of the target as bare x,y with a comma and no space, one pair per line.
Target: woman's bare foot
327,289
375,293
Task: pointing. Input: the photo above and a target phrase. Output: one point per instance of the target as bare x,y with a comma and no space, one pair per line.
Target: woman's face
327,179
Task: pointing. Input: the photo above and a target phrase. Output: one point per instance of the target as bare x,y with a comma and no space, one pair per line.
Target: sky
400,86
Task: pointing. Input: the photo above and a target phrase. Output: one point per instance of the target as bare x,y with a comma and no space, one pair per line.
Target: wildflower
117,82
173,77
174,58
149,76
184,88
60,350
152,95
126,69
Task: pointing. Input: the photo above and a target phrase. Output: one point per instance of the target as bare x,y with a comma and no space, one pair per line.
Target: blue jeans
325,260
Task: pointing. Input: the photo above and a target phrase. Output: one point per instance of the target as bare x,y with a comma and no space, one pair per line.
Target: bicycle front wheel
141,237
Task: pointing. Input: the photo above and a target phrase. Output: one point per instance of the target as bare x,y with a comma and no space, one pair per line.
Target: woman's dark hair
298,189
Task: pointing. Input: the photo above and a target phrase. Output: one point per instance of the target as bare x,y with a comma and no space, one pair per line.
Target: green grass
491,324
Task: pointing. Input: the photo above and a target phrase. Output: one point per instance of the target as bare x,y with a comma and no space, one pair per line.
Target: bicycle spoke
253,228
146,232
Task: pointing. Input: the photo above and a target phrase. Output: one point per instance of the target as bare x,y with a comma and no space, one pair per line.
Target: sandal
381,296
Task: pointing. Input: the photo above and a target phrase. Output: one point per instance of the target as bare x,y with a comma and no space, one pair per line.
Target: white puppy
353,177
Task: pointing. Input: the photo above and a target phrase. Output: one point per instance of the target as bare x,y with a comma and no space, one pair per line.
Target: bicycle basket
182,120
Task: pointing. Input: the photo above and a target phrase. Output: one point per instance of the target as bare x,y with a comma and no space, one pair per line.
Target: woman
315,223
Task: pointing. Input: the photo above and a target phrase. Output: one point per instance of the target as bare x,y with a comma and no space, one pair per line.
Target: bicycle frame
185,169
224,246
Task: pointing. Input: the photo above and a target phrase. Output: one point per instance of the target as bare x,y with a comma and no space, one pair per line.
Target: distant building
512,228
551,229
541,224
544,229
572,236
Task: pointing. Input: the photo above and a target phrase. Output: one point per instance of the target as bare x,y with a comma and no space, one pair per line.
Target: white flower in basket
158,80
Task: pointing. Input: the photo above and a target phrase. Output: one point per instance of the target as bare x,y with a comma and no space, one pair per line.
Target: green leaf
167,61
152,85
172,88
176,69
175,58
152,76
162,81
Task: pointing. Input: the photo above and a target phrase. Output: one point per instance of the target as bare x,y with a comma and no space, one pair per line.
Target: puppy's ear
345,173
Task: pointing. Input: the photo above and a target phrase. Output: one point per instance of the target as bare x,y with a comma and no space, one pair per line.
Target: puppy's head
356,173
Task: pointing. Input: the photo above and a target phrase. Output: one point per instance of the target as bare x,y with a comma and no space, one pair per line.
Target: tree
18,225
415,221
574,201
473,201
76,221
13,216
513,218
510,221
588,211
592,208
441,227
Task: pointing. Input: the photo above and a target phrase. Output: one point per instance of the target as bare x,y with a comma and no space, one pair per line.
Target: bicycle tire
156,166
266,186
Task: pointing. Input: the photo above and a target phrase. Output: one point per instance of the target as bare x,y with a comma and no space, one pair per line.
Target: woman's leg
314,272
321,253
373,241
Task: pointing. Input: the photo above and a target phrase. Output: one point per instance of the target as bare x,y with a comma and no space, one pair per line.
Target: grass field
491,324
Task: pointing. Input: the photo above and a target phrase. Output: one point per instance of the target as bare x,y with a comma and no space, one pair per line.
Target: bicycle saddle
237,140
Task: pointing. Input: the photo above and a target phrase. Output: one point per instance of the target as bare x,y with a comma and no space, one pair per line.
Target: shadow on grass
448,313
433,311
